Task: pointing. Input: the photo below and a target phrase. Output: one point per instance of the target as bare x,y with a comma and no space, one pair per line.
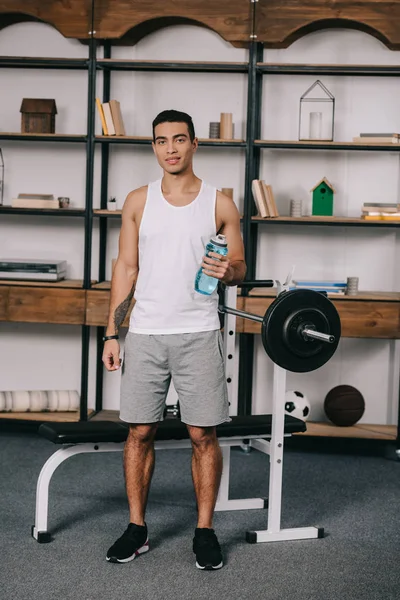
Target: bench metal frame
273,447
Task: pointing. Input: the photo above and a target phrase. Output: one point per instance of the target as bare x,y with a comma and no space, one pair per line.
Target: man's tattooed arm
122,310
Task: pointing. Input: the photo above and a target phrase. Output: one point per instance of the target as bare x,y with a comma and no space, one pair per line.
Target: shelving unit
60,302
355,322
93,294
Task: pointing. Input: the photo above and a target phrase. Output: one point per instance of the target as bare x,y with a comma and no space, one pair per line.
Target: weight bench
246,432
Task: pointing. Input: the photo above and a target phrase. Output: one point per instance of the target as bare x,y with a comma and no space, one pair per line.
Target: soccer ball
297,405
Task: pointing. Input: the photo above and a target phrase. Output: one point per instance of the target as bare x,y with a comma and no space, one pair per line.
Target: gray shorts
195,363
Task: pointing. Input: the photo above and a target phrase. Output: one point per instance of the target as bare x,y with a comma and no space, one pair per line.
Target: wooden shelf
43,137
76,284
103,285
372,432
102,212
326,221
325,145
367,315
45,417
362,295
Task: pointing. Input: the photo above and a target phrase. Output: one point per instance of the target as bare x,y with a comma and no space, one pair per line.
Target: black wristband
110,337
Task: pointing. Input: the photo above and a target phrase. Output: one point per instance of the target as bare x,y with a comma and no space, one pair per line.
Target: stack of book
330,286
264,199
111,117
35,201
380,211
377,138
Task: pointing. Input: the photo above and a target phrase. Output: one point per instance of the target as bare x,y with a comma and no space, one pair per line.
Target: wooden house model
38,115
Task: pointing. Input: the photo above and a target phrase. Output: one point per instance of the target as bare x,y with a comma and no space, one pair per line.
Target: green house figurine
322,198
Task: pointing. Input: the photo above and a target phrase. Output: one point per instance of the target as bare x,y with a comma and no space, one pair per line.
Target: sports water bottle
204,284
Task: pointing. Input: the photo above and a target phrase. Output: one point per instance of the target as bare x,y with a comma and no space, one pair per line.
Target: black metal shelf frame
39,137
15,62
43,212
111,139
175,67
339,70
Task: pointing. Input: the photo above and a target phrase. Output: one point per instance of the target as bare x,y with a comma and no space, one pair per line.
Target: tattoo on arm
121,311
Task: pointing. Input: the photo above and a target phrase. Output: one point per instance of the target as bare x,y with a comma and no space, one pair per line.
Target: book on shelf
380,209
116,114
258,197
332,283
378,134
264,199
377,139
35,201
382,217
111,119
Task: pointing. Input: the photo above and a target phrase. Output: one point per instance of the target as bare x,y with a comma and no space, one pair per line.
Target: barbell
300,330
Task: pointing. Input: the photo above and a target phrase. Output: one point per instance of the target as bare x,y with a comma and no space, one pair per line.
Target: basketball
344,405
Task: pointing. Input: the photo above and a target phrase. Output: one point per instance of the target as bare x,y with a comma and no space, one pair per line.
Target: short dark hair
174,116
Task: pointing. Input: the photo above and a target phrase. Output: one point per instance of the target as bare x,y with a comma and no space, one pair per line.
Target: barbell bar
300,329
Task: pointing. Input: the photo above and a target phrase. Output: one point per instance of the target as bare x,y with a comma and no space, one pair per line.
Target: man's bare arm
126,268
228,212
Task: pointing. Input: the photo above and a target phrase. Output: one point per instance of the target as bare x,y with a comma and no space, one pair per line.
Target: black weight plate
299,320
284,346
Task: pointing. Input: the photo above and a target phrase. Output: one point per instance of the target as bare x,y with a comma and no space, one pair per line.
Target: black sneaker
207,550
133,541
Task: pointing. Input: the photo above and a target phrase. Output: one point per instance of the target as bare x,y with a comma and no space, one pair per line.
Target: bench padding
170,429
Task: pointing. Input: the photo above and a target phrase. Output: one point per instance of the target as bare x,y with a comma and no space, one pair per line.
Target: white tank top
172,243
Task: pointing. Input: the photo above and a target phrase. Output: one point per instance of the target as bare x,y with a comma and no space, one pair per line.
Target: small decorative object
38,115
214,130
352,286
63,201
297,405
344,405
39,401
1,178
226,126
227,192
296,208
112,204
317,112
322,198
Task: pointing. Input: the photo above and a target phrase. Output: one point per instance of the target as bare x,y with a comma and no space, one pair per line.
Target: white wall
361,104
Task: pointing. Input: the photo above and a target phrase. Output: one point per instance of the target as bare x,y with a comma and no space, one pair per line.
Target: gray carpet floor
356,498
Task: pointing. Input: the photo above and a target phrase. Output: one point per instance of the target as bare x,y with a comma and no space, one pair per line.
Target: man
174,331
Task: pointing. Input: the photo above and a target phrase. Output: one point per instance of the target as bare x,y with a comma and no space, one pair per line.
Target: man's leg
138,467
139,460
206,471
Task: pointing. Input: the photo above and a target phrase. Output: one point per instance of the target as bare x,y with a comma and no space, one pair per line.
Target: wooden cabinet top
276,23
